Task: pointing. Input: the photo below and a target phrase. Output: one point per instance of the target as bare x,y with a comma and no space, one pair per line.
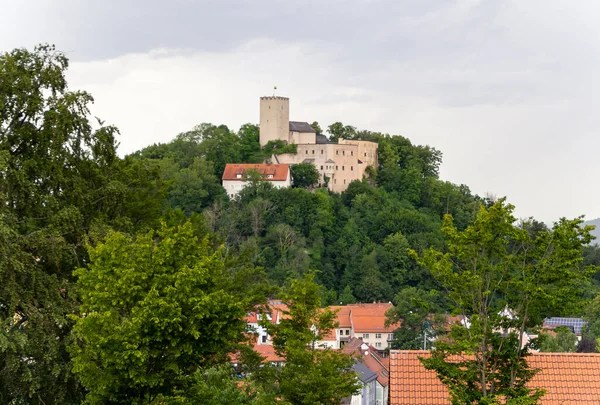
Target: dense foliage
115,270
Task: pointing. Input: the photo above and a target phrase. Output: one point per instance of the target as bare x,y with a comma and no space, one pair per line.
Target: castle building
340,163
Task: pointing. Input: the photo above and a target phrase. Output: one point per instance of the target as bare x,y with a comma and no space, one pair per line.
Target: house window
391,336
347,332
378,336
378,345
264,338
321,167
365,335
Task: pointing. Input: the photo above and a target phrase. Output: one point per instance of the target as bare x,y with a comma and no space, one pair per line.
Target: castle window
342,167
307,151
365,154
321,167
344,181
334,181
321,151
343,153
336,167
313,152
337,152
351,168
351,153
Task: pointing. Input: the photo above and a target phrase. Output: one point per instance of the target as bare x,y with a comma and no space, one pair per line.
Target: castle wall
367,153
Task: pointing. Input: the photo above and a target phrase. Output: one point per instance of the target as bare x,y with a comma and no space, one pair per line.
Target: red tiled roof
268,352
343,316
279,172
274,308
568,378
370,318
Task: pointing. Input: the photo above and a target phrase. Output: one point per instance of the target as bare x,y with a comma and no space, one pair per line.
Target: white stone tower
274,119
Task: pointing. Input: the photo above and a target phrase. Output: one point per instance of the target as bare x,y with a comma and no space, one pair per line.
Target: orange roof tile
370,318
568,378
268,352
270,172
343,316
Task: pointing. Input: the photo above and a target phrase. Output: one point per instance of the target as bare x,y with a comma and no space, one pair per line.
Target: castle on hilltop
341,163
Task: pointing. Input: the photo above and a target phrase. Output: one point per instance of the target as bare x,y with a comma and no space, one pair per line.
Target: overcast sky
505,89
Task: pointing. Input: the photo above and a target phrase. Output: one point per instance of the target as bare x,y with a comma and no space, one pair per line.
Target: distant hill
596,231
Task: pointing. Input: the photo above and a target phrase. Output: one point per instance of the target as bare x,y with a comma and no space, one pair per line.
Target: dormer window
269,176
238,176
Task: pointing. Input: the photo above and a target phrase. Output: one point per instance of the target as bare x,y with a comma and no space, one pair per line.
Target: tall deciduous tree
61,182
311,375
504,278
155,310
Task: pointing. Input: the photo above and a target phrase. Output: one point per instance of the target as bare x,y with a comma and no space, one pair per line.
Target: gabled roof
370,358
576,324
568,378
364,374
270,172
323,139
298,126
343,316
370,318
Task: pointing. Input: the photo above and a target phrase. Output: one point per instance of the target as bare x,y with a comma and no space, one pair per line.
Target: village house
568,378
338,163
364,321
237,176
374,390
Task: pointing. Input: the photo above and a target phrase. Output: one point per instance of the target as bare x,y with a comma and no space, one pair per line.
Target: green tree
61,183
346,297
505,279
338,131
310,375
305,175
415,310
156,309
317,127
565,341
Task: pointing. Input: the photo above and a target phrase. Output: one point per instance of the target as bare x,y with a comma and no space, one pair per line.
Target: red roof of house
370,318
275,309
268,352
568,378
370,358
270,172
343,316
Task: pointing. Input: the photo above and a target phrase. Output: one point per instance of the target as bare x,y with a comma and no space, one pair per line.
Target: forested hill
357,240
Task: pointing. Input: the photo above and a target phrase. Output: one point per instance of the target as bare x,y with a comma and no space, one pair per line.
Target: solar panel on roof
576,323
